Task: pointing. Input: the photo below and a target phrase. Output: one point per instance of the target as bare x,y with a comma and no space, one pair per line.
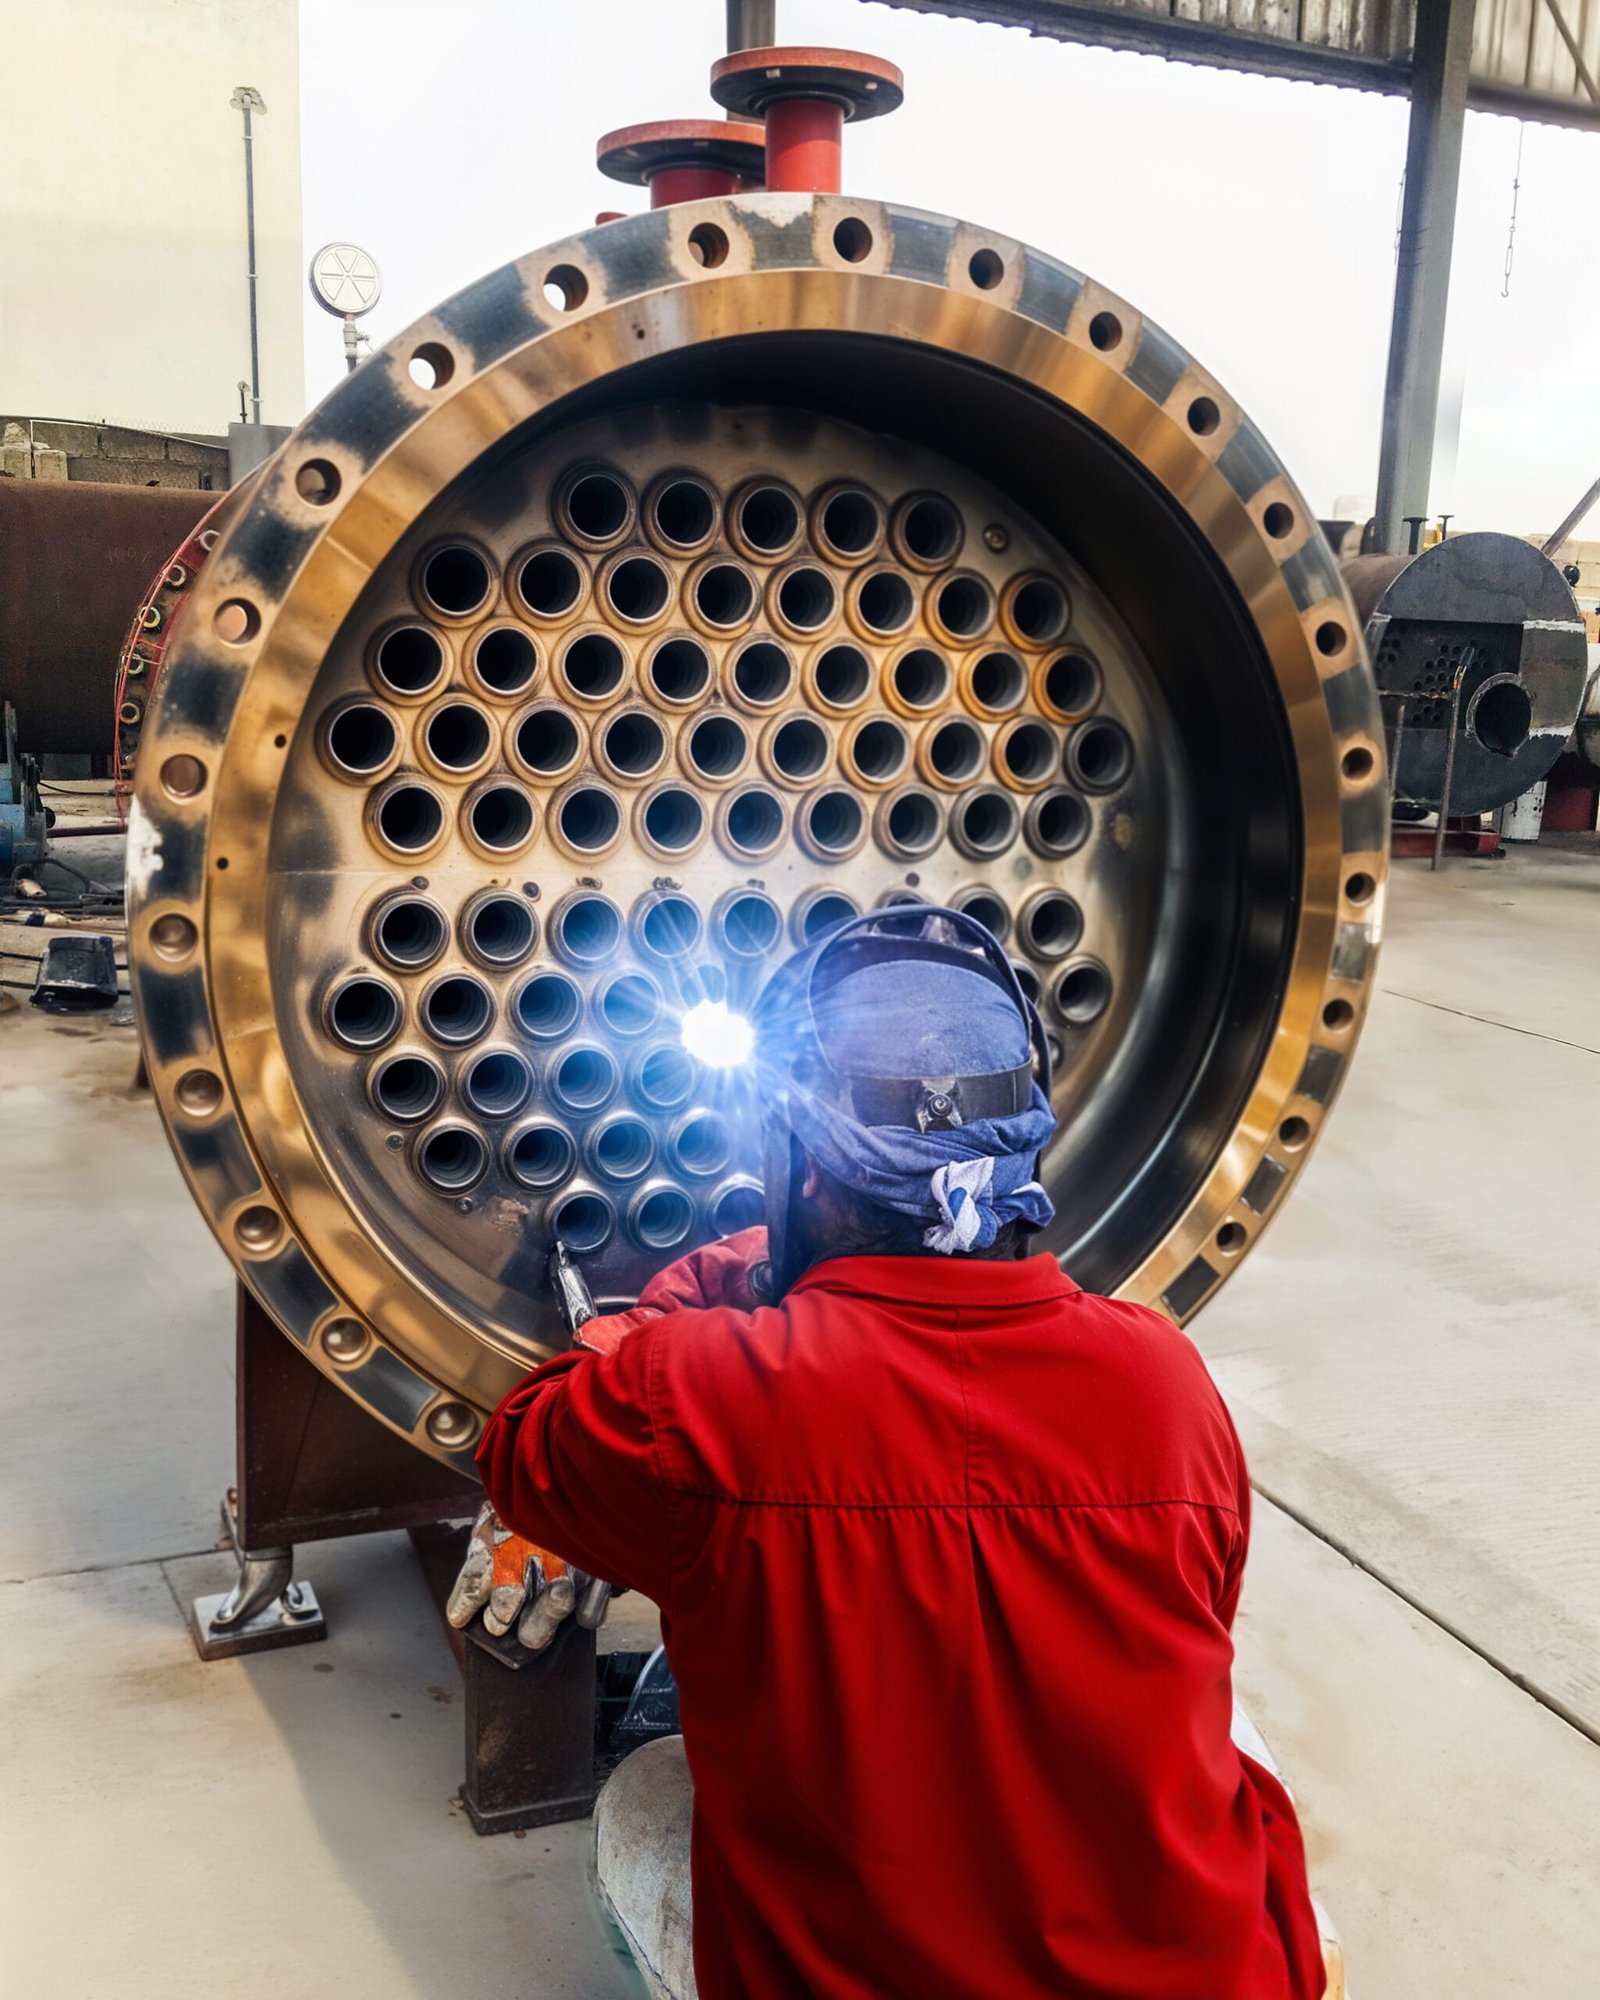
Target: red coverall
947,1553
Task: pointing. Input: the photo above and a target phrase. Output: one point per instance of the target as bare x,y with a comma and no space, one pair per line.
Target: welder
947,1550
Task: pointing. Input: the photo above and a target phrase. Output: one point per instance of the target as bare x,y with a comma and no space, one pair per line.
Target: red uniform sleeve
569,1460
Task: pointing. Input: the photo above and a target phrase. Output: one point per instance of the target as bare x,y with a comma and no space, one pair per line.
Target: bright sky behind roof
1254,218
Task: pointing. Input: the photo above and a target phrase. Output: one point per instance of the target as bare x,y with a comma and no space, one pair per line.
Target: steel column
1441,58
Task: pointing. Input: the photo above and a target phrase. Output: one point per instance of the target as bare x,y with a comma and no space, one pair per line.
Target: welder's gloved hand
513,1582
717,1274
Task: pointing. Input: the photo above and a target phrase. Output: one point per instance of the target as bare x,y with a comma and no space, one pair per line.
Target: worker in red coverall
946,1549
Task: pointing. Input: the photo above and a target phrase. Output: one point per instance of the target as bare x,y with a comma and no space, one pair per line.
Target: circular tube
1057,823
952,752
587,820
876,752
636,588
629,1005
660,1217
586,928
364,1013
1068,684
407,817
632,745
985,906
584,1221
550,582
803,599
546,741
909,823
455,581
452,1158
500,818
1026,754
663,1077
408,661
457,1009
678,671
1035,609
680,513
540,1156
504,661
406,1088
983,824
747,923
847,523
882,603
584,1077
752,822
594,506
497,929
1028,980
456,738
701,1144
960,607
592,666
1099,754
839,677
919,681
360,740
1082,993
406,932
715,749
737,1204
833,823
497,1083
723,595
667,924
671,820
547,1006
764,520
994,682
820,910
621,1148
762,674
927,531
795,750
1049,925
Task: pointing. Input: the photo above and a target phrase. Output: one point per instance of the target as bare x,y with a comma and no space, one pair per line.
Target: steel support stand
1440,60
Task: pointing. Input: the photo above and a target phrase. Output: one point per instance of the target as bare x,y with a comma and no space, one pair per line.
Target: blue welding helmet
908,1020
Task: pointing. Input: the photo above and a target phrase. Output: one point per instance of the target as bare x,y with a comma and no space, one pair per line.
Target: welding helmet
897,1048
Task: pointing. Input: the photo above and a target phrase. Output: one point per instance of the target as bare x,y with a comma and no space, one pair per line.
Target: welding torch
576,1304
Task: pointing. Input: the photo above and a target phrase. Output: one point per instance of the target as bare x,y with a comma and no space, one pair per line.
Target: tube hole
410,659
1039,610
999,681
1204,417
550,583
1029,752
505,660
985,824
852,239
500,930
1082,993
799,749
843,676
409,933
664,1077
1058,824
684,513
763,673
822,912
1501,718
768,520
548,1006
457,736
929,530
717,747
880,751
850,522
661,1218
955,751
985,268
1100,755
362,739
1051,925
497,1084
885,602
708,245
364,1013
638,589
807,599
630,1004
1105,331
547,742
597,507
680,671
589,819
724,595
670,927
594,665
540,1156
500,818
964,606
674,819
912,824
921,678
1070,684
739,1205
455,581
452,1159
702,1144
834,821
584,1078
584,1222
456,1010
410,818
754,821
749,924
1027,979
623,1149
634,743
565,287
407,1088
587,929
985,907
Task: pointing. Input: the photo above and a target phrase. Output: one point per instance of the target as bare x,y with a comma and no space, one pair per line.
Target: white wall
122,215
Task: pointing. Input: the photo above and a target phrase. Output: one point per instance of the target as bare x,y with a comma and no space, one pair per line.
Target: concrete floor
1410,1356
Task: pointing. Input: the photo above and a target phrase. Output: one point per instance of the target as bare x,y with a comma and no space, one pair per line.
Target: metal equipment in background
1479,653
346,282
24,816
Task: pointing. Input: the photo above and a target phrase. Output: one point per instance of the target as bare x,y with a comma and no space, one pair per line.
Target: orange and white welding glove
513,1582
717,1274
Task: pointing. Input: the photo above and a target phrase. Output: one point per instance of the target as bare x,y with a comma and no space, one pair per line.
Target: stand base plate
268,1630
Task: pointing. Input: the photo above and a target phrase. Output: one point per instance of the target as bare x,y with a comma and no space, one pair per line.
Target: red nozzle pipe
805,146
805,96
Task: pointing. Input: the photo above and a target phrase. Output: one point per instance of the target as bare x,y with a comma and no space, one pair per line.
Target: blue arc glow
717,1036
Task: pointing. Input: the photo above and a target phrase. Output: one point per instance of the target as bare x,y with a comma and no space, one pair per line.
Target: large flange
1255,895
